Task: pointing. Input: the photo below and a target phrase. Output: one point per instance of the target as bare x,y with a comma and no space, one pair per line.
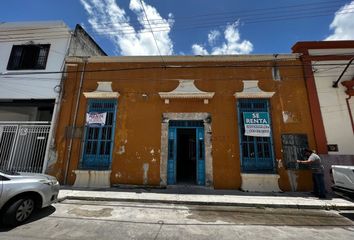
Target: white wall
333,104
37,86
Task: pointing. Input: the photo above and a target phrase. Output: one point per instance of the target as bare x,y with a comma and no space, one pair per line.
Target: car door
1,183
1,180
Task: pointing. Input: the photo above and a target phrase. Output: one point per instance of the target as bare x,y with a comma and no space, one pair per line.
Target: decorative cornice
251,90
186,90
104,90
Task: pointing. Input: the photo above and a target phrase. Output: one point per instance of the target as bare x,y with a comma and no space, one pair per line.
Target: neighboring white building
329,69
32,57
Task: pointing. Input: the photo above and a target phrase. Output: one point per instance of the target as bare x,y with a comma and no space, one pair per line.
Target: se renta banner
256,124
95,119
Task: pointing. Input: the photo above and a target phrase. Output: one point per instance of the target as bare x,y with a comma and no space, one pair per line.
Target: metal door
98,140
23,146
256,152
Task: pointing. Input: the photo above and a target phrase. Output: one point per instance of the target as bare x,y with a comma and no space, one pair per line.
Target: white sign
256,124
96,119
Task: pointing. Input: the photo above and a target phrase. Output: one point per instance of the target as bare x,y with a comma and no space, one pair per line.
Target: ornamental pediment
104,90
186,90
251,90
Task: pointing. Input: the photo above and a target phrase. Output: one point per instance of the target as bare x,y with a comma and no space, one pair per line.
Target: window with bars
32,56
293,149
98,140
256,152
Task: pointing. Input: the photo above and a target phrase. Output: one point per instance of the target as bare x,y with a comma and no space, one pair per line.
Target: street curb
235,204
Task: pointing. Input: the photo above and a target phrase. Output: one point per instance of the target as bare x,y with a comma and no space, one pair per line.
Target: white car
343,178
22,193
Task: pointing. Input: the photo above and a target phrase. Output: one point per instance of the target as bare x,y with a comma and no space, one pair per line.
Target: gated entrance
23,146
186,153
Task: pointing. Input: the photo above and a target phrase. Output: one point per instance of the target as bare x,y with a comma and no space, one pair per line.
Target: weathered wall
334,109
82,44
138,128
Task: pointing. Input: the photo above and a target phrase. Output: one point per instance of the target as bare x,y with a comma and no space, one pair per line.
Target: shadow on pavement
37,215
349,215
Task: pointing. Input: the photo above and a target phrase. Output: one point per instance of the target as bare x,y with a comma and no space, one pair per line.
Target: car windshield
9,172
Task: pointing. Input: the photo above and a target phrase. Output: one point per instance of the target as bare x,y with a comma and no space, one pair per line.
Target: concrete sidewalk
200,196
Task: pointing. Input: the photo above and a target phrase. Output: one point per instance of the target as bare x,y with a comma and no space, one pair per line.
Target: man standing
317,173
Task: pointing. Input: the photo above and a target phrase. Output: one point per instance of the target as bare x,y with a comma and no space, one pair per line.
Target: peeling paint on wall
280,163
146,169
293,178
121,150
292,175
290,117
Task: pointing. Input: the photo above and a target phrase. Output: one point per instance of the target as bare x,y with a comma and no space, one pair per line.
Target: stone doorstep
92,179
260,182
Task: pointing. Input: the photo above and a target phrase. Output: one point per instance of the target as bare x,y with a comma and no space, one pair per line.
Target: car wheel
19,211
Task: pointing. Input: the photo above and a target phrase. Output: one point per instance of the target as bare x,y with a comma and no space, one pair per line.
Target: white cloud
232,44
108,19
343,23
213,36
199,50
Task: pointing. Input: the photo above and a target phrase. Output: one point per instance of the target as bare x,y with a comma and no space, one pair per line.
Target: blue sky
194,26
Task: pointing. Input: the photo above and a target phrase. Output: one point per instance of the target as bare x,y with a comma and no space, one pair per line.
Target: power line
269,65
281,9
271,18
251,19
152,32
220,24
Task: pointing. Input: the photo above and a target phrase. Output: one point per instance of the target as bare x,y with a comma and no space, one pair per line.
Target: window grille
28,57
293,148
186,124
98,140
256,152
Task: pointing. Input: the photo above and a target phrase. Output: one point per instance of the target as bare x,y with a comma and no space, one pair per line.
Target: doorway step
258,182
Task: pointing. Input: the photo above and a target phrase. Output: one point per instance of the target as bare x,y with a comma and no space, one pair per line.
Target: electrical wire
152,32
269,65
250,12
252,18
236,77
249,20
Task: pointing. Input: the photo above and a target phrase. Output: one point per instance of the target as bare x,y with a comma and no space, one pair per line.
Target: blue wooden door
200,156
172,150
257,154
172,155
98,140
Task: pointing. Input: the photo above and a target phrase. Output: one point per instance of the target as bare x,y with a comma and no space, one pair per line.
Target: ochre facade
137,134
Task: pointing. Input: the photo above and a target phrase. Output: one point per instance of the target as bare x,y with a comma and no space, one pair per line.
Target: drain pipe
335,84
68,157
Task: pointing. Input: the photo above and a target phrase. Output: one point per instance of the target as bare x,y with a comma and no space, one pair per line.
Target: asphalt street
72,219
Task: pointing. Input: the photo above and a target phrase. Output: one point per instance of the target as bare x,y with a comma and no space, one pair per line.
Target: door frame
172,164
197,116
